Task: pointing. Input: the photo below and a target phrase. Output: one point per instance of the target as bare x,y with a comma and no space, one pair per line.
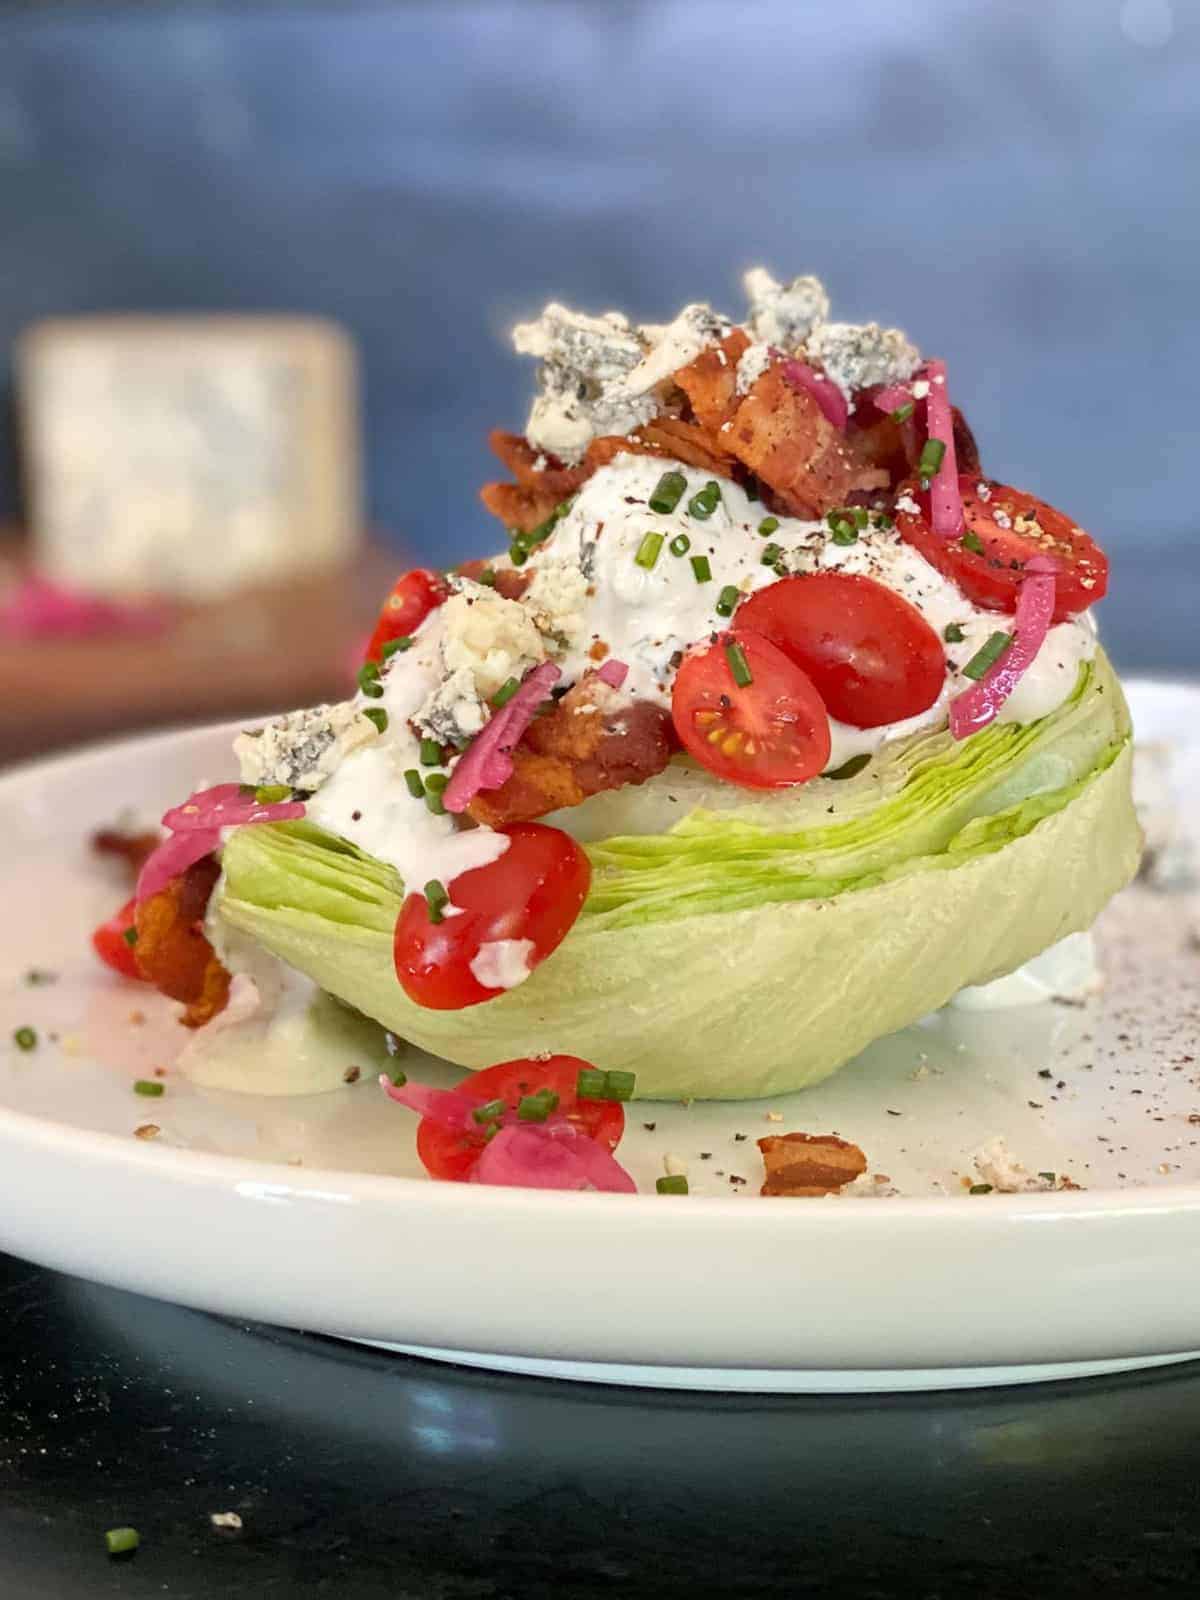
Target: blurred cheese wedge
189,456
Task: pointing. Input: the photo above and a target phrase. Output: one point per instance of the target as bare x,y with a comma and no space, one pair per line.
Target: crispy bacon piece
710,381
505,580
172,950
575,751
785,439
809,1163
131,848
523,509
518,455
668,437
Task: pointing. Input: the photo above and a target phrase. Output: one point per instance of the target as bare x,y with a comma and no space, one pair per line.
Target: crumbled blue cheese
856,355
676,345
453,712
493,638
557,598
303,748
784,314
582,393
755,360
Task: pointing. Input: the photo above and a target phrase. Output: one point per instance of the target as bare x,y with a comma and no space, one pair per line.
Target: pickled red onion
893,397
826,393
945,501
447,1106
978,705
227,806
613,673
486,763
173,857
194,831
540,1155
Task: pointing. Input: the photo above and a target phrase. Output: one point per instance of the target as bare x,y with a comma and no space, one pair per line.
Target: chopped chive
589,1085
487,577
37,976
148,1087
680,545
130,936
751,488
269,794
378,716
902,413
648,550
705,501
431,753
368,680
416,786
399,1078
435,803
771,554
972,541
851,768
436,782
619,1085
931,458
738,665
668,492
489,1111
952,633
882,520
859,515
25,1038
537,1107
1049,1176
980,1188
517,554
727,600
987,655
505,693
701,568
844,532
437,899
122,1541
674,1183
767,526
394,646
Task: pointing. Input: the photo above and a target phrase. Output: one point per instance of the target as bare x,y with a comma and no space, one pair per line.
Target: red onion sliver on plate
487,761
549,1156
827,395
226,807
447,1106
613,673
978,705
945,501
39,607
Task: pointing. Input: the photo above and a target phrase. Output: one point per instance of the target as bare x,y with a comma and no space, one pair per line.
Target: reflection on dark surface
368,1475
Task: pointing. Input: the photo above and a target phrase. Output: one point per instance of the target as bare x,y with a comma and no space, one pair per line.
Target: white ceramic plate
314,1213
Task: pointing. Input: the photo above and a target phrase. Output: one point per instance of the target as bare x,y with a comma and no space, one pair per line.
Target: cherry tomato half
987,561
415,595
749,714
871,655
533,892
111,945
451,1153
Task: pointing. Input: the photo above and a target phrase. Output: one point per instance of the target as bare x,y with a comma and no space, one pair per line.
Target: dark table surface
361,1475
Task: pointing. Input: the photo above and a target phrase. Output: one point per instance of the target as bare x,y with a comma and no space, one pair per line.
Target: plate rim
183,1166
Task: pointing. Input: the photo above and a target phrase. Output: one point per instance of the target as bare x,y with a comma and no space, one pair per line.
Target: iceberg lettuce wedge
749,949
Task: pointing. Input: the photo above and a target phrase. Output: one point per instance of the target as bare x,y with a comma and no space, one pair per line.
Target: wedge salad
771,724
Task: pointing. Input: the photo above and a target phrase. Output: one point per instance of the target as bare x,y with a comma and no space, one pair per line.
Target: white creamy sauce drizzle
503,963
646,617
367,801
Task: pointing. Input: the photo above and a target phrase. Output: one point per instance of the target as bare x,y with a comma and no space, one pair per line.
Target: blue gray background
1015,182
